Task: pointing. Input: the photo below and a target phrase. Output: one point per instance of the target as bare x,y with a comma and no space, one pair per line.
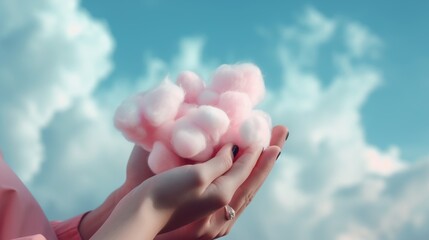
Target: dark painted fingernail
278,155
287,135
234,150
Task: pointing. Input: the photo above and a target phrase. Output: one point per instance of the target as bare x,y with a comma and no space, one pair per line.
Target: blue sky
232,32
350,79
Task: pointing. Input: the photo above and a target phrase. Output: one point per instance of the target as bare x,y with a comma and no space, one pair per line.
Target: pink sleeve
21,217
65,230
69,229
32,237
20,214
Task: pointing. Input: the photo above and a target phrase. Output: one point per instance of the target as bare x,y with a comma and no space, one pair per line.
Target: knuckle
248,199
202,231
254,150
198,176
222,199
228,162
225,162
212,234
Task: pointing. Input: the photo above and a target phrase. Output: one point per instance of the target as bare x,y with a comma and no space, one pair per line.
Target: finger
249,188
279,135
245,193
219,164
214,227
138,160
253,183
224,187
241,169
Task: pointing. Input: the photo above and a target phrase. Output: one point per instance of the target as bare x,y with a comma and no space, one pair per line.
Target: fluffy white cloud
332,184
189,57
52,53
377,208
85,159
361,42
329,144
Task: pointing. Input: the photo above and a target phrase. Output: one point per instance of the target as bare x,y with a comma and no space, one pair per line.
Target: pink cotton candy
192,84
199,130
213,121
128,114
237,106
162,158
245,78
255,128
162,103
187,120
185,108
188,140
128,119
208,97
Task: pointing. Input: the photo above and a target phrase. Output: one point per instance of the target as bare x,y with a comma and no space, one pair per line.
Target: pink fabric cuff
32,237
69,229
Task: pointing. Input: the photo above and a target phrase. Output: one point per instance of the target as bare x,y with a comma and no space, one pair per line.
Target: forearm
92,221
134,217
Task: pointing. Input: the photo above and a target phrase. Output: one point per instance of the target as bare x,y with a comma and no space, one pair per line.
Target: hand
137,172
137,169
179,196
215,225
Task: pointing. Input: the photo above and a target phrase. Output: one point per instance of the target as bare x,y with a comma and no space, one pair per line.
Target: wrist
94,219
134,217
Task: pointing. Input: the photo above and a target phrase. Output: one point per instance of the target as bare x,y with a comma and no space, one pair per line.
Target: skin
186,202
215,225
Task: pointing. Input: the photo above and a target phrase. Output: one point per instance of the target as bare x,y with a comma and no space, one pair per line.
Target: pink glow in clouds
188,120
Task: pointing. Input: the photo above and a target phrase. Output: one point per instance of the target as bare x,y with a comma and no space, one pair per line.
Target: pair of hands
186,202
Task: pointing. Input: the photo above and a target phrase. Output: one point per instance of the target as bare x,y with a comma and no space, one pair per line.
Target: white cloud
53,53
85,155
189,57
361,42
330,183
389,208
313,29
330,143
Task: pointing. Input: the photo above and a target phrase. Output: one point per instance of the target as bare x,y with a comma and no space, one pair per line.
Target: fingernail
234,150
278,155
287,135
